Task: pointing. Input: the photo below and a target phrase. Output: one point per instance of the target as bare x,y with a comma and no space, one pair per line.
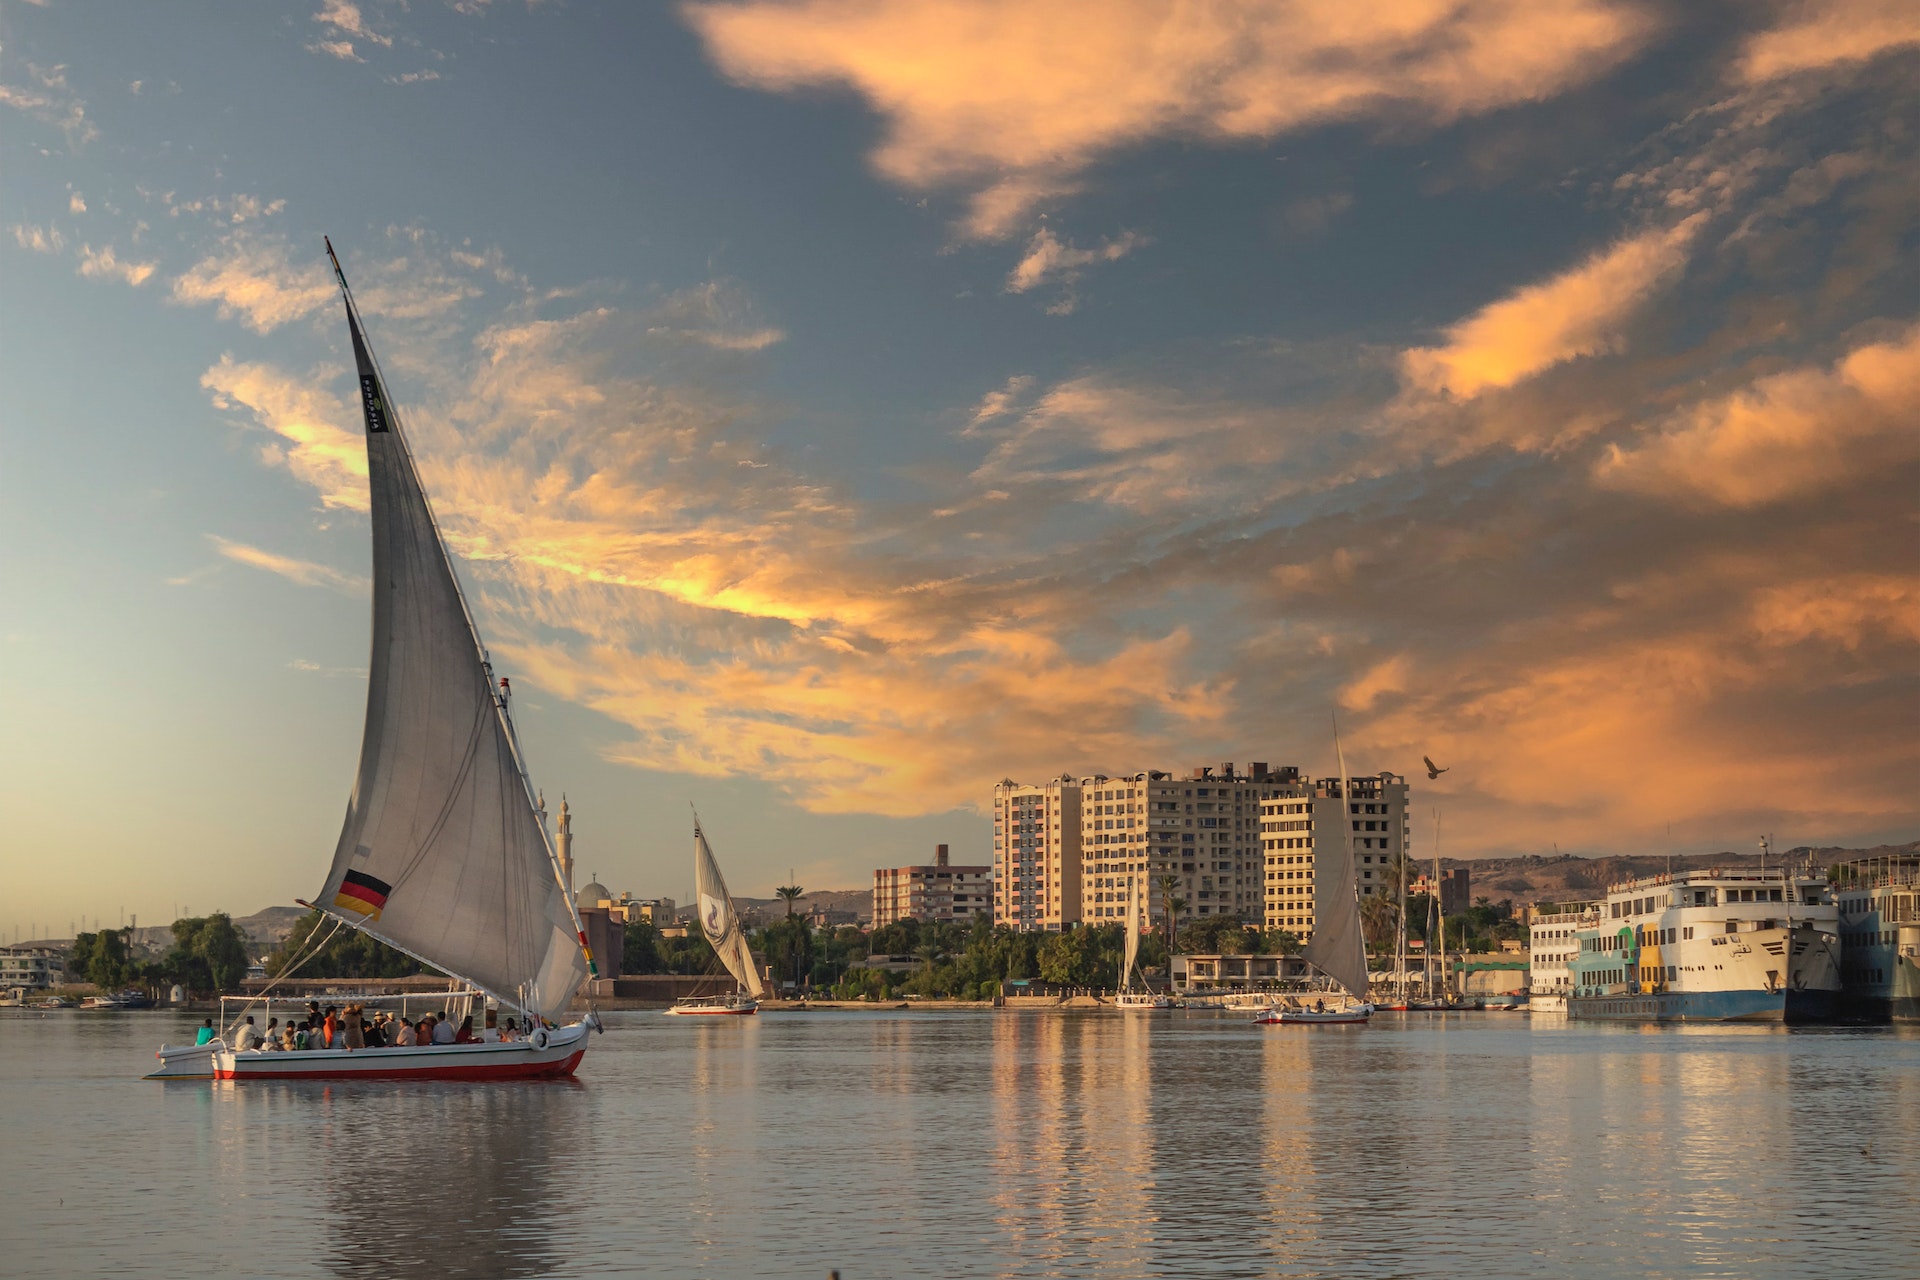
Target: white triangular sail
1133,941
1338,948
718,920
443,853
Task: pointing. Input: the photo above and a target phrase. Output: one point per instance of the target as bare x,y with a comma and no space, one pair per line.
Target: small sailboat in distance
1338,947
444,853
1128,997
721,925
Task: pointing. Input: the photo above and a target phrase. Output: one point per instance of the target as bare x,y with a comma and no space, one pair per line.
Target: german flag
362,893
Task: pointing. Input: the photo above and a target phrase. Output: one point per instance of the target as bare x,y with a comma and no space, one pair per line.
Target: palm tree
789,892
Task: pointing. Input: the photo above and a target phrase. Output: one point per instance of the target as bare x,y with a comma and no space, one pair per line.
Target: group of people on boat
352,1028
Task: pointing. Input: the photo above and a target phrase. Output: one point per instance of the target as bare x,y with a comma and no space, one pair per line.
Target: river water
927,1143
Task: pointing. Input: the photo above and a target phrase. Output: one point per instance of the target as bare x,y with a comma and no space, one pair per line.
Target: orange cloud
311,442
1786,434
1581,312
1826,33
257,282
305,572
1014,100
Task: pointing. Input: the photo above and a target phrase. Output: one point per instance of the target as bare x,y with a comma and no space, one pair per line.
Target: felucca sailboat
1128,997
444,854
1338,948
721,924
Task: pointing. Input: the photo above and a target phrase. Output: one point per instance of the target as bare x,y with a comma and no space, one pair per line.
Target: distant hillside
1570,877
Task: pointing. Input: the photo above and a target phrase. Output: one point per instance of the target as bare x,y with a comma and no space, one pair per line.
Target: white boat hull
1138,1001
547,1055
720,1007
1356,1013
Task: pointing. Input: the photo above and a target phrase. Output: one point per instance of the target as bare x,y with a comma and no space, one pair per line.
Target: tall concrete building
1036,854
1074,850
1191,844
1294,817
939,891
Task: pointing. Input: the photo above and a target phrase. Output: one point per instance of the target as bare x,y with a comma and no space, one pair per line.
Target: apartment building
1036,854
939,891
1191,844
30,968
1299,813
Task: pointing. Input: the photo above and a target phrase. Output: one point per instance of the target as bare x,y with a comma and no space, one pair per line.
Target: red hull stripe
477,1071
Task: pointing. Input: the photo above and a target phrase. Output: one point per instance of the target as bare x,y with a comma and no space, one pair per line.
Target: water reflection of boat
444,853
721,925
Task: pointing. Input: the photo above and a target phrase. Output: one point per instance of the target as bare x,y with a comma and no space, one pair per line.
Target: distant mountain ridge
1571,877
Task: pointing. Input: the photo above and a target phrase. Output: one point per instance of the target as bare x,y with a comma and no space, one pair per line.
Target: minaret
564,845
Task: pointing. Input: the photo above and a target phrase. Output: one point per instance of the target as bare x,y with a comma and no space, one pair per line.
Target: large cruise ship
1880,938
1710,946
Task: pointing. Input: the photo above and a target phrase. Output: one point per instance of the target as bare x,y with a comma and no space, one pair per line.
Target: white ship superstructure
1880,938
1710,946
1552,945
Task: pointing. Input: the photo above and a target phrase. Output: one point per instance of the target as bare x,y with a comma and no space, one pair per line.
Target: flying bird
1433,770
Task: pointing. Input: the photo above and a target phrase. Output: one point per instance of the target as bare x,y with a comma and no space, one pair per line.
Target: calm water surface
925,1143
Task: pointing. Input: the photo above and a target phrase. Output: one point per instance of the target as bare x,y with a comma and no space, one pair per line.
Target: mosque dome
593,895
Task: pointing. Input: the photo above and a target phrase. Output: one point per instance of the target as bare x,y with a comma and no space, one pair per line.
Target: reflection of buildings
939,891
1294,818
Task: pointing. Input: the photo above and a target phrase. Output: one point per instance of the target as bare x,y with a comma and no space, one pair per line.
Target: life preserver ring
540,1038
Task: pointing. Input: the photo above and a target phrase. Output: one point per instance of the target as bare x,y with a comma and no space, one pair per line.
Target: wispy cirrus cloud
1825,33
1580,312
39,239
309,439
105,264
1013,102
256,280
1049,259
306,573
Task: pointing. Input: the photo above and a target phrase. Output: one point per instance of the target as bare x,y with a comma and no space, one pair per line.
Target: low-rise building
1197,974
31,968
938,892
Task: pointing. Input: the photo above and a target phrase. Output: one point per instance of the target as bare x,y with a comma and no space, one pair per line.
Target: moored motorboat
734,1005
1283,1015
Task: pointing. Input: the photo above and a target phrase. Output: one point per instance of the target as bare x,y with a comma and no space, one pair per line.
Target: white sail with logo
718,920
443,854
1338,948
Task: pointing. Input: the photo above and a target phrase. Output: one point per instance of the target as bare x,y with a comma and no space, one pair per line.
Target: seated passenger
512,1032
465,1034
442,1031
205,1033
375,1036
403,1036
290,1036
248,1037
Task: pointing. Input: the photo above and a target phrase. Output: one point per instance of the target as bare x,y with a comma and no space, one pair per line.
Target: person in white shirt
248,1037
442,1031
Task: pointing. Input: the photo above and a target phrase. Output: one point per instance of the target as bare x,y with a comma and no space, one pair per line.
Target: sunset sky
838,407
